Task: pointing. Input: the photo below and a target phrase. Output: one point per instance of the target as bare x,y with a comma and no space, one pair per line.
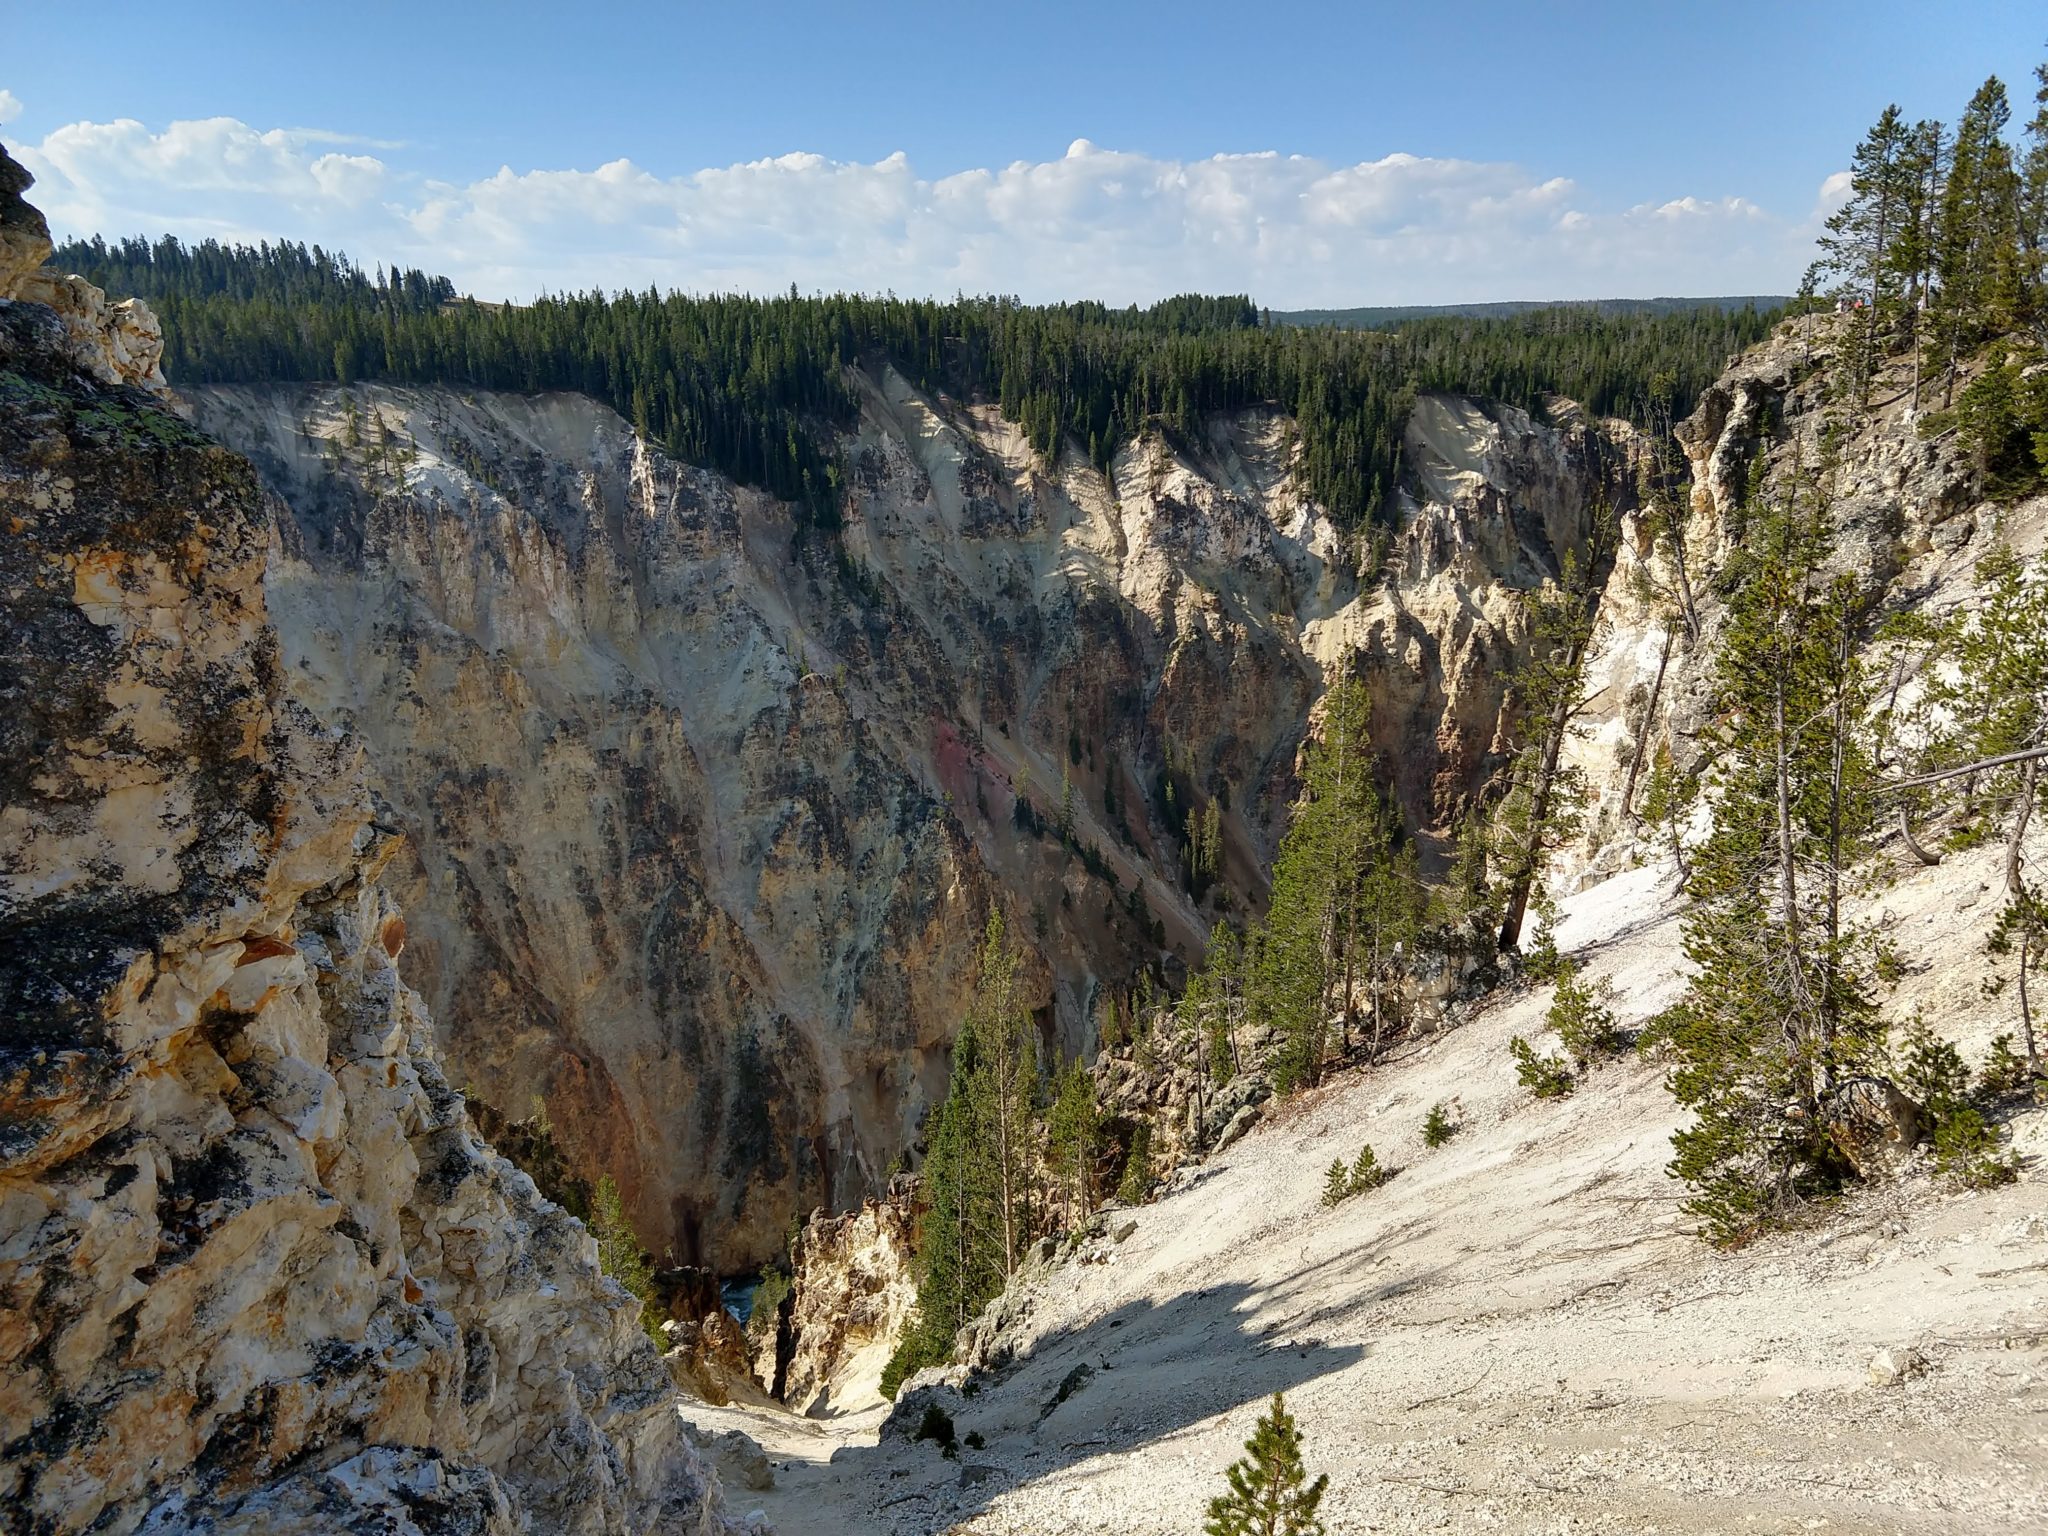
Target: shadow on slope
1118,1384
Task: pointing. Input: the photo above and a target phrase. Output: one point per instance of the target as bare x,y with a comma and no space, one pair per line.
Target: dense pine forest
752,386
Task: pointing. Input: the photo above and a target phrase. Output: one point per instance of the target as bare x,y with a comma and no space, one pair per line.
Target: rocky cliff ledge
258,1272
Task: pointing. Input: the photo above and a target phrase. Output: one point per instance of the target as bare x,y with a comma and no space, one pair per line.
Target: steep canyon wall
704,812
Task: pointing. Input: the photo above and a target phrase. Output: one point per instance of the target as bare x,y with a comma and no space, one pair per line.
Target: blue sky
1368,154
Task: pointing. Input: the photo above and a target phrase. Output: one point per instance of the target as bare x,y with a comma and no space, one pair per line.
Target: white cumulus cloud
10,107
1096,222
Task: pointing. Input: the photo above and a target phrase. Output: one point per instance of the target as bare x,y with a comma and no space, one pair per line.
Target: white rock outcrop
119,343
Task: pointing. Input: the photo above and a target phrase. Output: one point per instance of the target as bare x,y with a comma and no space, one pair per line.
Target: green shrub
1655,1038
1270,1490
1580,1017
1547,1077
1540,960
937,1425
1966,1147
2006,1072
1437,1129
1933,1071
769,1296
1966,1150
619,1255
1136,1183
922,1344
1366,1172
1336,1183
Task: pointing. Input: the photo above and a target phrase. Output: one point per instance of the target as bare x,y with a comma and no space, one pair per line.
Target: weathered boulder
935,1387
113,343
738,1457
1894,1364
708,1357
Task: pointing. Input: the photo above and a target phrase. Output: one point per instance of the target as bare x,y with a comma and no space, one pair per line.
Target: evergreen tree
1270,1492
1777,1008
2022,931
2033,211
1976,245
1136,1182
980,1150
1924,168
1366,1171
2001,694
1072,1129
1668,797
619,1253
1858,248
1545,796
756,387
1438,1128
1000,1089
1324,897
1336,1183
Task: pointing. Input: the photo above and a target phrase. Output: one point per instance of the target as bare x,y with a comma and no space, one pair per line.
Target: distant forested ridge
754,386
1374,316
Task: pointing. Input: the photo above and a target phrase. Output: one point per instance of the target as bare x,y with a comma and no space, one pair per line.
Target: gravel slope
1517,1333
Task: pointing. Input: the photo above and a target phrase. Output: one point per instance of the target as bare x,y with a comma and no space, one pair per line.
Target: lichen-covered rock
257,1270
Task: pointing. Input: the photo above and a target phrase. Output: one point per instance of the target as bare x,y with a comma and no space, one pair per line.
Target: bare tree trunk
1635,763
1917,350
1912,843
1376,1023
2026,1011
2021,817
1528,856
1799,1018
1350,946
1837,790
1678,852
1003,1182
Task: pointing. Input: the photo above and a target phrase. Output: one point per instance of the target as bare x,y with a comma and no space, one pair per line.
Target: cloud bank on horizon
1293,231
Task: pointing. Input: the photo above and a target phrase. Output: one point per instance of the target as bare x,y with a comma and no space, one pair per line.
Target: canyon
703,817
384,760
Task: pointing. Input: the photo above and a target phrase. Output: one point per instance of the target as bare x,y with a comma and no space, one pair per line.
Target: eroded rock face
24,232
855,1288
704,815
257,1270
1903,509
113,343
